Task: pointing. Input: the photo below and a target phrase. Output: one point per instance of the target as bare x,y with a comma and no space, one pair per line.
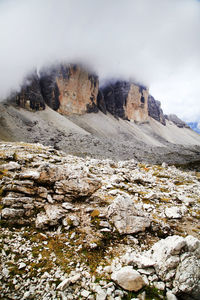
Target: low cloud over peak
154,42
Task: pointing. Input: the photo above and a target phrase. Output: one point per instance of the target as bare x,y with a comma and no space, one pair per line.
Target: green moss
150,294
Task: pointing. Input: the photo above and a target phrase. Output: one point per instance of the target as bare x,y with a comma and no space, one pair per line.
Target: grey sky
156,42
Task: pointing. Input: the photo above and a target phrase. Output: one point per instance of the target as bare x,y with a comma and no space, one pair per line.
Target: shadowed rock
155,111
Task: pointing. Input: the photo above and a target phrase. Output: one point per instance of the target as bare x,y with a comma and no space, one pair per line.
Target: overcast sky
155,42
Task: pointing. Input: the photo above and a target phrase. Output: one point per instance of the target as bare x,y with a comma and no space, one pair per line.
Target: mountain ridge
65,108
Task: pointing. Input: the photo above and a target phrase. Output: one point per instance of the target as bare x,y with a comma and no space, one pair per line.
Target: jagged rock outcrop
178,122
30,96
155,111
70,89
101,102
176,261
127,100
67,88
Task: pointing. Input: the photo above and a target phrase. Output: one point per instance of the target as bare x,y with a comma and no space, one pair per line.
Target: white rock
173,212
139,260
54,213
192,243
85,293
5,272
101,294
170,296
41,220
11,166
7,213
22,266
67,205
128,279
126,218
159,285
29,174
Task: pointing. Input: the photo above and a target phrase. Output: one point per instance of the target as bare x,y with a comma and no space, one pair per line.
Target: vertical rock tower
70,89
127,100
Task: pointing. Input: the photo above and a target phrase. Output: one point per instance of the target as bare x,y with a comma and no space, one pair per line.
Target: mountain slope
100,135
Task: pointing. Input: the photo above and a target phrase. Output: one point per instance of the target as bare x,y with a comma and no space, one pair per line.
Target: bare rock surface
176,261
63,215
128,279
126,218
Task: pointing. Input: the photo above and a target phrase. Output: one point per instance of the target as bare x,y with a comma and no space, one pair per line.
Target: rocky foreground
75,228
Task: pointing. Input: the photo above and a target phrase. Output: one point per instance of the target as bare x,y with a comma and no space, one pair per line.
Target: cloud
151,41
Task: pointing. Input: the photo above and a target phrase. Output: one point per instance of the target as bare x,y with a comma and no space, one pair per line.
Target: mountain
110,224
195,126
64,106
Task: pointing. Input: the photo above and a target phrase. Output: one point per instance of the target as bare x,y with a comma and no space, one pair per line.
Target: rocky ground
84,228
100,136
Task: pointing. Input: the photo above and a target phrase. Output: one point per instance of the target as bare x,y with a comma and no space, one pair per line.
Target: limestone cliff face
70,89
137,103
127,100
155,111
30,96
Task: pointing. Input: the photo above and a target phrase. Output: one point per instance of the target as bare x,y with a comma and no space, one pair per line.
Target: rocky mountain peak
70,89
126,100
30,96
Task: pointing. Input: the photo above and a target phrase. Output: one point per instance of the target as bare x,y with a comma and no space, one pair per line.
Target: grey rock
126,218
11,213
128,279
178,122
11,166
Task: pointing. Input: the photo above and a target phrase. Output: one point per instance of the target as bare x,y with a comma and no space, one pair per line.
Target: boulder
126,218
71,181
128,279
51,216
187,278
176,261
173,212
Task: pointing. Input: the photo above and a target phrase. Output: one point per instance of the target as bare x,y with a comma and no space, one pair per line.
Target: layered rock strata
83,219
70,89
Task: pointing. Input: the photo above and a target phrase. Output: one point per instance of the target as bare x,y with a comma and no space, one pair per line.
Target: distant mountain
63,106
195,126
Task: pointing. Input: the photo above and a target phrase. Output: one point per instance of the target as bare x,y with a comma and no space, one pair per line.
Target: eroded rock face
155,111
70,89
127,100
30,96
66,88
